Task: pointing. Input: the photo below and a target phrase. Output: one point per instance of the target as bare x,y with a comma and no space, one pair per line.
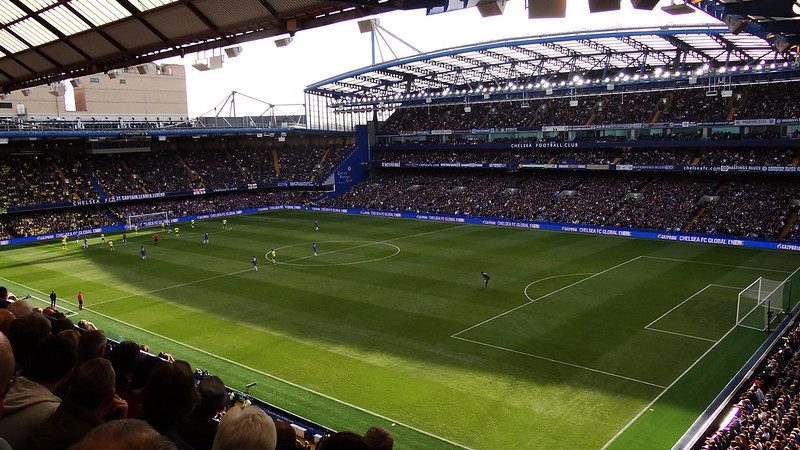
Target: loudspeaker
735,23
604,5
143,69
491,8
547,9
75,82
644,4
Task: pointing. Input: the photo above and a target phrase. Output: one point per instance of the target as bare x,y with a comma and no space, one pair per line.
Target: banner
453,218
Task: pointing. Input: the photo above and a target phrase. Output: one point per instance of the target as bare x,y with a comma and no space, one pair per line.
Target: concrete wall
161,91
40,101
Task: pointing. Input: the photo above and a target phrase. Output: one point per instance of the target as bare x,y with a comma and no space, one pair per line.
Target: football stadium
585,237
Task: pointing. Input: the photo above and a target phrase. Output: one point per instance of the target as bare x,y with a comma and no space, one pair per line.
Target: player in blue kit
143,252
205,238
124,238
316,225
255,264
314,248
486,278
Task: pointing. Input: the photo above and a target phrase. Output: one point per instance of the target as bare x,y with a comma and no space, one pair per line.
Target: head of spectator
200,429
125,357
287,438
343,440
92,386
3,297
248,428
92,344
25,334
53,360
89,400
6,317
84,324
20,308
129,434
379,439
7,368
168,399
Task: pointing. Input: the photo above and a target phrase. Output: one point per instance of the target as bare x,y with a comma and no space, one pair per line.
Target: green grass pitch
578,342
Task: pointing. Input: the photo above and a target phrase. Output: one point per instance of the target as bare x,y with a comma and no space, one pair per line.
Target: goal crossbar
760,303
147,220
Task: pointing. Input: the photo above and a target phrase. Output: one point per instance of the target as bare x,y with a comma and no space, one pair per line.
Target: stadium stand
686,105
749,206
72,384
63,176
765,415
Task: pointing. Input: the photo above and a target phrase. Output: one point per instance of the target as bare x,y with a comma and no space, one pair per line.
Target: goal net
760,304
147,220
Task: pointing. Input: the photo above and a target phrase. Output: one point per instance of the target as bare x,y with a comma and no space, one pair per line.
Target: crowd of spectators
208,204
46,222
755,208
34,179
686,105
747,206
675,156
36,223
64,386
767,416
62,176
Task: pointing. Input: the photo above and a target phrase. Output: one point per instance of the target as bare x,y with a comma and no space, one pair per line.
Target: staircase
694,219
127,169
97,185
795,158
787,226
320,163
276,162
732,113
192,175
662,107
63,177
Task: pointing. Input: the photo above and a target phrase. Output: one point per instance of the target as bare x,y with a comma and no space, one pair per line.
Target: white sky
279,75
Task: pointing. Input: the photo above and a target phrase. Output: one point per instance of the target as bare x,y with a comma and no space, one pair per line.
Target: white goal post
760,303
146,220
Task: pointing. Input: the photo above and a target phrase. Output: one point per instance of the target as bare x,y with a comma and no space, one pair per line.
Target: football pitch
578,341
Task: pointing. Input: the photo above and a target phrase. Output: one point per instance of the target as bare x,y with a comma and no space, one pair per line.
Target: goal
760,304
147,220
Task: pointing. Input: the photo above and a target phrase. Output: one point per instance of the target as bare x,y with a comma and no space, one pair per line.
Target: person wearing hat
200,429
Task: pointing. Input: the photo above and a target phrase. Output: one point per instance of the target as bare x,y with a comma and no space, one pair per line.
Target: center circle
355,244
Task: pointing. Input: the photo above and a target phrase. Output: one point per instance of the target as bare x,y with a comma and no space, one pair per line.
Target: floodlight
201,65
26,92
644,4
233,52
677,8
284,42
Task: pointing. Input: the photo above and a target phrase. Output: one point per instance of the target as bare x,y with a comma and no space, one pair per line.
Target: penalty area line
563,363
260,372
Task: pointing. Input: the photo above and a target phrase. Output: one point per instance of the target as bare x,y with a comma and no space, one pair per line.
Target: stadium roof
773,20
43,41
585,55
